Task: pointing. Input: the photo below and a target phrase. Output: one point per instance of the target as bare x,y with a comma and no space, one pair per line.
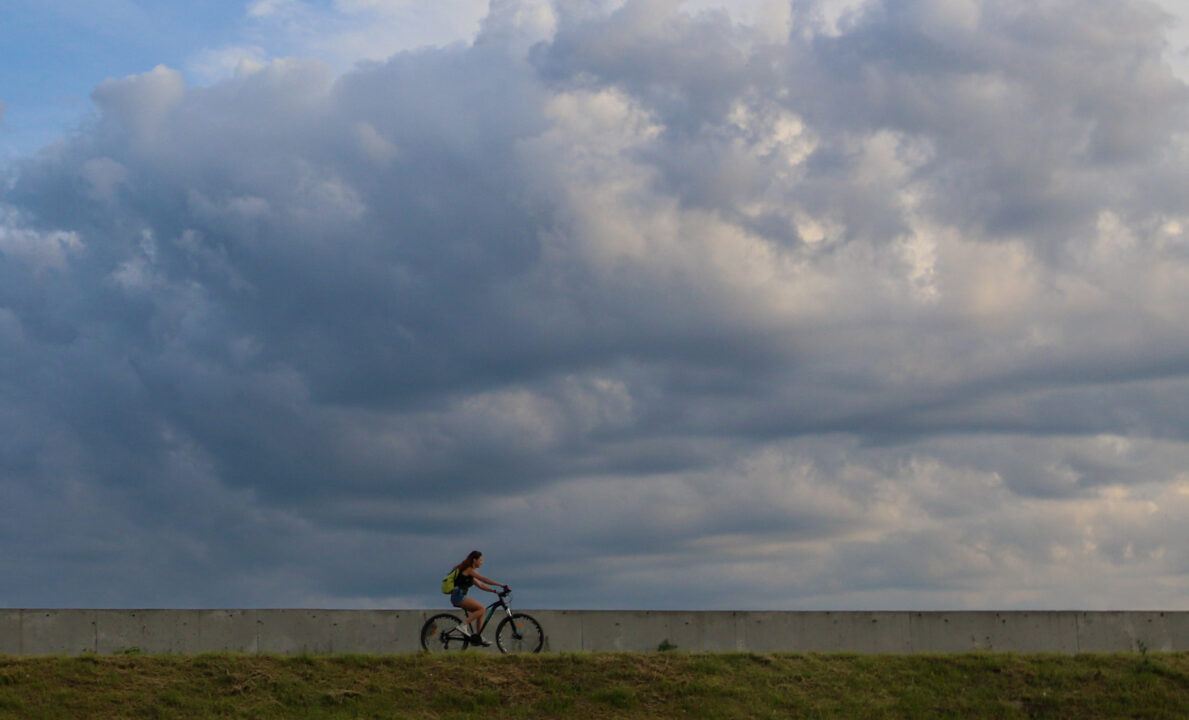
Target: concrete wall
72,632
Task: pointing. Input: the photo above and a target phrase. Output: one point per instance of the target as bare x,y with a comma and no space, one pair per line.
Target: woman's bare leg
474,610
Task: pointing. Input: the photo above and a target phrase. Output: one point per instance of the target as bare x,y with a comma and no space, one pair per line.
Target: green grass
596,686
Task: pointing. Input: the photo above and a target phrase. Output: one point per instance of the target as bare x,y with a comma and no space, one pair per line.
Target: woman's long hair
470,561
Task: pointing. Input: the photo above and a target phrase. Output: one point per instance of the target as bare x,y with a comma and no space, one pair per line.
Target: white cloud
346,32
39,249
269,8
884,313
142,102
831,18
1177,50
945,18
211,66
105,177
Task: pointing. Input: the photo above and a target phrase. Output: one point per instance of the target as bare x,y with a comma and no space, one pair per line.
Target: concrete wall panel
220,631
562,628
635,631
148,631
873,632
10,632
707,631
373,632
58,632
862,632
1052,632
71,632
765,632
1134,631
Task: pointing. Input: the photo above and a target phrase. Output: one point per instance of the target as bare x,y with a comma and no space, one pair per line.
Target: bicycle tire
519,633
436,635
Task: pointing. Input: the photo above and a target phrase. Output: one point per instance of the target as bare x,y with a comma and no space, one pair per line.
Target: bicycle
516,633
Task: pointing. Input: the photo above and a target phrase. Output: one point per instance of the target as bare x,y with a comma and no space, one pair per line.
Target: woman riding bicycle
468,575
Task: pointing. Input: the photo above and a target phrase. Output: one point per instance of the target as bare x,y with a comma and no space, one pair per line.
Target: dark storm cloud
887,316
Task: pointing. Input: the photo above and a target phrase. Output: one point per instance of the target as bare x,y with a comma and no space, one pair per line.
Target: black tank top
464,582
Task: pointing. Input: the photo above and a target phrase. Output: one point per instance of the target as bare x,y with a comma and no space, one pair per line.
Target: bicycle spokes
440,634
520,633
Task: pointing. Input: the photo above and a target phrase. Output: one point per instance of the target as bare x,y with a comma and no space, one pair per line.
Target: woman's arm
487,580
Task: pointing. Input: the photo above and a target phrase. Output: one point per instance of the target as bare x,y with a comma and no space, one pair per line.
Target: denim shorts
456,596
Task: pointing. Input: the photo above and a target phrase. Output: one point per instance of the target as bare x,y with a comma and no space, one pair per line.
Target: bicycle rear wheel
519,633
440,634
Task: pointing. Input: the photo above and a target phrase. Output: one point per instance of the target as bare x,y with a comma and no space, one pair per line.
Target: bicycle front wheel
519,633
440,634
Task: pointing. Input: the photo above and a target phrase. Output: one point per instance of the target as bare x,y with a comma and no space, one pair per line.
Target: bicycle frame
441,631
500,601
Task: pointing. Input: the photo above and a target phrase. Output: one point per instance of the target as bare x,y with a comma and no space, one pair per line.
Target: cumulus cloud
659,306
213,65
345,32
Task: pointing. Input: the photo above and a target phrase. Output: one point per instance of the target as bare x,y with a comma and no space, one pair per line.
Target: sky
756,305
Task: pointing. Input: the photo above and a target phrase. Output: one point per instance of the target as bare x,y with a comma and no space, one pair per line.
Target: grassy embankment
594,686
